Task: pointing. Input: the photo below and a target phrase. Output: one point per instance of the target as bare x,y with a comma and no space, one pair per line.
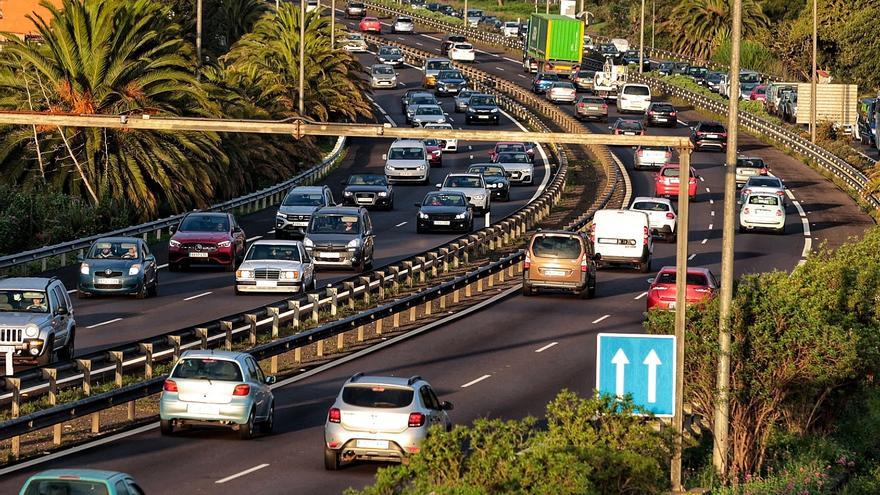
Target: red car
435,152
666,182
759,93
513,146
207,238
370,25
701,286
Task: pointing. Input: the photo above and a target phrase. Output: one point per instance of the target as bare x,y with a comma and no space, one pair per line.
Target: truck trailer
555,44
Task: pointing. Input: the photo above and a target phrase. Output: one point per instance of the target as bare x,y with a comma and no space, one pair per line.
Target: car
543,81
403,24
633,98
383,76
507,146
444,211
206,238
416,99
370,25
432,67
353,42
425,114
462,52
763,184
462,99
435,152
381,418
450,40
608,50
662,218
661,114
748,81
407,161
591,108
448,10
697,73
714,79
560,259
622,236
341,237
446,145
529,64
561,92
700,282
651,157
583,79
709,135
624,127
450,82
368,190
518,166
275,266
749,166
81,481
390,55
666,182
666,68
510,29
471,185
433,7
217,388
355,9
409,94
36,320
417,4
495,178
295,211
482,108
311,5
631,57
759,93
474,16
118,265
680,68
761,210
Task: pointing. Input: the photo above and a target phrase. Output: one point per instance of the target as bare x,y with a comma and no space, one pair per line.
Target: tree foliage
698,27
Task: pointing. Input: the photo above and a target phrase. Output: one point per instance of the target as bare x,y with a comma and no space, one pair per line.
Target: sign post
642,366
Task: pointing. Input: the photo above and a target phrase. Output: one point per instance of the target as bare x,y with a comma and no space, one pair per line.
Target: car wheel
246,431
142,291
66,353
646,266
166,427
267,426
154,289
586,293
741,229
49,355
507,196
331,459
592,289
391,204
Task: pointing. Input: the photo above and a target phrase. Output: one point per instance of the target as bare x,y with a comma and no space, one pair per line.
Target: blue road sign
640,365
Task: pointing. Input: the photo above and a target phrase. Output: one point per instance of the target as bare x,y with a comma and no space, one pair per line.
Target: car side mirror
651,280
369,232
270,380
596,257
438,186
80,258
61,311
150,258
384,156
446,406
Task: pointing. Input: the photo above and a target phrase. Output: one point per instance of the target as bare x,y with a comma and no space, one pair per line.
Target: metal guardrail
258,200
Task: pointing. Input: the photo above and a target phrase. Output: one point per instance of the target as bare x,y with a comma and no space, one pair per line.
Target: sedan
662,218
749,166
759,93
370,25
403,25
354,42
762,211
444,210
651,157
661,114
416,100
462,52
118,265
518,166
666,68
427,114
462,98
368,190
764,184
275,266
449,82
496,180
383,76
543,81
666,182
700,282
591,107
624,127
471,185
390,55
210,238
562,92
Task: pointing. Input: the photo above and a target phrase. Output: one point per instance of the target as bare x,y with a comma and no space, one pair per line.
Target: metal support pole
15,385
813,78
302,56
147,349
642,40
333,24
653,21
227,329
198,38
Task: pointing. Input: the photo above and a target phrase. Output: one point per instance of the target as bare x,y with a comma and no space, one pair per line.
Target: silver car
353,42
390,55
427,114
275,266
764,184
292,218
518,166
461,99
471,185
749,166
407,161
417,99
381,418
649,157
36,321
403,25
383,76
209,387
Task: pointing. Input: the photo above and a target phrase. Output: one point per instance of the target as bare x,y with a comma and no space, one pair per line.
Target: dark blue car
543,81
118,265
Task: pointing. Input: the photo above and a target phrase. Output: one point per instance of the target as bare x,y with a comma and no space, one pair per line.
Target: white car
518,166
762,211
354,42
275,266
403,25
311,5
562,92
471,185
634,98
662,218
623,237
407,161
764,184
450,145
650,157
510,29
462,52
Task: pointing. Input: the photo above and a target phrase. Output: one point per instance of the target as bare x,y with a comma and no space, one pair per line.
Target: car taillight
581,105
723,135
640,152
670,215
335,415
416,419
647,236
650,112
642,133
746,191
745,211
699,133
241,389
672,114
170,386
780,193
527,263
604,106
584,265
778,213
763,171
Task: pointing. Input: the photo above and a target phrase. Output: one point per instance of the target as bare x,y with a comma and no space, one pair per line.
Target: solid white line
601,319
800,209
254,238
478,380
808,245
190,298
682,123
692,256
499,68
789,194
643,294
551,344
390,121
511,60
96,325
162,266
401,224
239,475
271,231
704,241
419,44
431,37
806,223
522,76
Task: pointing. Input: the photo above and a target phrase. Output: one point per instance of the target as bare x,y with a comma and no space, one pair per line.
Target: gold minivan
558,259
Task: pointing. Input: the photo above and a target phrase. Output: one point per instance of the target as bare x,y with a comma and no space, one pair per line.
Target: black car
447,9
368,190
495,178
450,82
709,135
661,114
482,108
698,74
608,50
390,55
713,80
433,7
444,210
666,68
450,40
680,68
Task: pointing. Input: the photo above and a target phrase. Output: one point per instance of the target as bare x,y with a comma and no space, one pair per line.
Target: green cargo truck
554,44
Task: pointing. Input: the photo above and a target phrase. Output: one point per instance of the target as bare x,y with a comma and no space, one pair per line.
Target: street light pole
464,15
198,38
302,56
642,42
722,406
653,21
332,24
813,78
547,3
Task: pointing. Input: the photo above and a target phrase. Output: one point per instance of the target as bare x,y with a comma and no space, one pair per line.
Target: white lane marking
511,60
789,194
692,256
499,68
601,319
711,225
704,241
808,246
708,190
243,473
643,294
390,121
682,123
806,223
431,37
522,76
551,344
271,231
419,44
712,213
800,209
96,325
478,380
401,224
162,266
801,262
711,201
254,238
702,179
190,298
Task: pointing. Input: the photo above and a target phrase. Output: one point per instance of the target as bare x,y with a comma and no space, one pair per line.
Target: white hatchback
449,144
762,211
662,218
462,52
763,184
634,98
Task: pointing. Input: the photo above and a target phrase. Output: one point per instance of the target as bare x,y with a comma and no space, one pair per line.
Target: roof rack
413,379
355,376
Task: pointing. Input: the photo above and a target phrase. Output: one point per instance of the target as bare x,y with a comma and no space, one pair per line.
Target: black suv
660,113
709,135
482,108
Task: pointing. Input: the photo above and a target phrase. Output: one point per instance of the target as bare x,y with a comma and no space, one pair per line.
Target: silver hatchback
381,418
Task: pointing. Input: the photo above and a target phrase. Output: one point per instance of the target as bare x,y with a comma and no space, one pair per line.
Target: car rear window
636,90
593,100
749,163
556,246
763,200
764,182
67,487
207,368
630,125
650,206
712,128
663,108
654,148
691,279
377,396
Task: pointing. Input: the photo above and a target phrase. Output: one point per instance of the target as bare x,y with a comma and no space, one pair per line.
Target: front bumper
250,285
444,90
366,200
406,175
222,257
22,354
430,224
383,83
482,117
335,257
175,409
94,283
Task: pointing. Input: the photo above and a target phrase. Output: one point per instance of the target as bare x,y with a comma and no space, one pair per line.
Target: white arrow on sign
652,361
619,360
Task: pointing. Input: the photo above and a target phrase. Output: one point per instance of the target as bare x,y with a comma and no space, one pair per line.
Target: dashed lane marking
478,380
808,246
643,294
96,325
203,294
542,349
806,223
254,238
601,319
239,475
401,224
704,241
692,256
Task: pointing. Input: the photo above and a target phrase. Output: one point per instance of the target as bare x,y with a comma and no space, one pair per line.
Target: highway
517,379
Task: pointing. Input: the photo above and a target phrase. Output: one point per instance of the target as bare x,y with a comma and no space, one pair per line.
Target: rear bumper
173,409
754,223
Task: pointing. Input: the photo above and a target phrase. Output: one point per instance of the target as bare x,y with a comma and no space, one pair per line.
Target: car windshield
764,182
114,250
749,163
487,171
304,199
406,154
592,100
31,301
367,180
711,128
715,77
405,20
670,172
513,158
650,206
354,37
422,100
556,246
501,148
429,110
666,65
445,200
587,74
449,74
66,487
207,369
464,95
334,224
283,252
460,181
383,69
766,200
692,279
749,78
548,77
439,65
482,100
204,223
629,125
389,50
378,396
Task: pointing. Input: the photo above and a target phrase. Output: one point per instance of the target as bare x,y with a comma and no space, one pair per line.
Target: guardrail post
360,333
226,326
294,306
314,299
365,281
428,307
273,361
455,252
501,276
408,266
467,290
395,320
51,375
412,313
332,293
479,285
444,254
421,261
455,295
174,341
147,350
320,351
116,356
63,259
15,385
395,278
349,287
202,333
381,277
442,302
85,366
251,318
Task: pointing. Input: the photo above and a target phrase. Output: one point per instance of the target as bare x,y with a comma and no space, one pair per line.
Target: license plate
672,305
441,222
482,116
660,119
6,349
300,224
592,108
673,181
712,136
198,255
267,283
365,201
329,255
373,444
629,134
108,281
554,273
203,409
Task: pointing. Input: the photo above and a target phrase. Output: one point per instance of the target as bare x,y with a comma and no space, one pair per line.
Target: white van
621,44
633,98
623,237
407,161
311,5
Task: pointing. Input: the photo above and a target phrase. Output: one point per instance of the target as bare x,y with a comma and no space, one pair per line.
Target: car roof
209,213
276,242
407,142
557,232
25,283
691,270
340,210
201,354
649,198
462,174
308,189
84,474
380,380
437,59
118,239
376,66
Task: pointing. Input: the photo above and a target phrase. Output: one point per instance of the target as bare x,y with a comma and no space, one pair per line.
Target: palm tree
698,27
115,58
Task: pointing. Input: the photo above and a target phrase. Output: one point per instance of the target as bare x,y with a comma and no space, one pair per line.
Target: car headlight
423,216
174,243
383,194
494,110
134,269
471,110
422,166
353,243
346,193
84,268
224,244
479,196
244,274
31,331
308,243
461,215
289,274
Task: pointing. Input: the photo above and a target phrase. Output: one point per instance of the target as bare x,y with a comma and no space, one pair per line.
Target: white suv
634,98
407,161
